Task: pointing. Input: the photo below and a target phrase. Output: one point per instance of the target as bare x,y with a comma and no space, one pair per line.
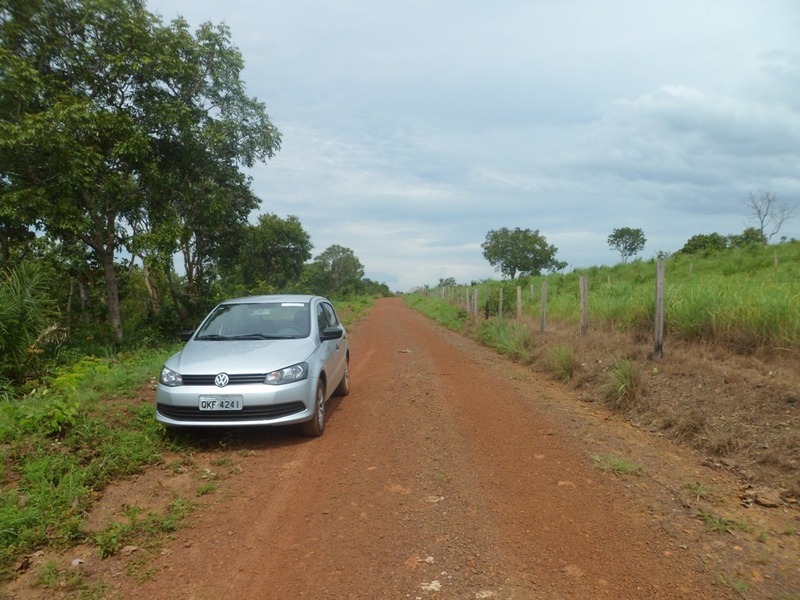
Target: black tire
316,426
344,385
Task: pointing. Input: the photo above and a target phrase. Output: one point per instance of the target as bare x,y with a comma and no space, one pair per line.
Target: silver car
259,360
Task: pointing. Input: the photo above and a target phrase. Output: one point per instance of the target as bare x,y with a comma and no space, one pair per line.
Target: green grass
66,439
564,361
451,316
137,530
625,382
507,337
721,524
744,298
700,491
617,465
352,309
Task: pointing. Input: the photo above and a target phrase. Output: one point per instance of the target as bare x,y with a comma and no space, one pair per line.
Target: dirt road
447,473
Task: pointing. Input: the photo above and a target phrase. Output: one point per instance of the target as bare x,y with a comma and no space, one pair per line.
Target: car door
334,352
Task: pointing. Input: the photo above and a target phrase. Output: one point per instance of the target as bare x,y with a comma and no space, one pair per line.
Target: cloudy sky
412,128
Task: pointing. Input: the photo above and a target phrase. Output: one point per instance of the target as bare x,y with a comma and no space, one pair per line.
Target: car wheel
344,385
316,426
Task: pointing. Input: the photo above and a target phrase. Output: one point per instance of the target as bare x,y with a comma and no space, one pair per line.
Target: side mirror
186,335
331,333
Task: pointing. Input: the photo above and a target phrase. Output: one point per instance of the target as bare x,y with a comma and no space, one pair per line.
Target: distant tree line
523,252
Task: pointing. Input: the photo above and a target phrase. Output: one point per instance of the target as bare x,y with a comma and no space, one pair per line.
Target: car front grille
247,378
248,413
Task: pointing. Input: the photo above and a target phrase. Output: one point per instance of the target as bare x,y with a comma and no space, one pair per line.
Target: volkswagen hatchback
259,360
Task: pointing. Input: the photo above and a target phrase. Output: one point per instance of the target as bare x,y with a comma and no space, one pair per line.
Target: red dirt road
448,472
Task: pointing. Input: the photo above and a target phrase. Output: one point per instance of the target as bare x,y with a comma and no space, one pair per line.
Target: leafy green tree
336,272
627,241
748,237
120,133
520,251
208,128
705,243
274,252
373,288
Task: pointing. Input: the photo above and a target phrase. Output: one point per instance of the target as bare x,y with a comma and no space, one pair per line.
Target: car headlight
296,372
170,378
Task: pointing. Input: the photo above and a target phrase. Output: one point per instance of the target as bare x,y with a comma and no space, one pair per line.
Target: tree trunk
112,293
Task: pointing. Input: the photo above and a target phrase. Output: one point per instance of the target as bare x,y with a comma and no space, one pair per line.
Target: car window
258,320
330,314
322,318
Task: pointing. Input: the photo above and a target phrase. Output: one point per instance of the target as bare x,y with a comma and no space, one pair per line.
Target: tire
344,385
316,426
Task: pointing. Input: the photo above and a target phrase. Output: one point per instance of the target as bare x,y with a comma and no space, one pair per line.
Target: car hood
239,356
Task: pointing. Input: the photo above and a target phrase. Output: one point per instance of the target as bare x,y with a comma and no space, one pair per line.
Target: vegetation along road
448,472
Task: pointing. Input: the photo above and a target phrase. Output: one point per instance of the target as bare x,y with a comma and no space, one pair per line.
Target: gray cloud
411,129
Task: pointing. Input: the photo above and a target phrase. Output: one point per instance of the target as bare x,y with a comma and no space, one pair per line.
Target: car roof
305,298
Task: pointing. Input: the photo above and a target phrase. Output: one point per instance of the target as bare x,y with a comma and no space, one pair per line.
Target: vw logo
222,380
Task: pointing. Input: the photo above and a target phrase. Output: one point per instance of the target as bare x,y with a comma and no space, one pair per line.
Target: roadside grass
723,525
352,309
51,576
742,298
149,529
624,385
564,362
507,337
66,439
444,313
617,465
736,583
701,491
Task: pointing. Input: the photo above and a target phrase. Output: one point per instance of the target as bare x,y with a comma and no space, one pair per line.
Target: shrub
623,388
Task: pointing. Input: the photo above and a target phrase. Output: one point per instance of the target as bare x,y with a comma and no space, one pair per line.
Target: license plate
220,403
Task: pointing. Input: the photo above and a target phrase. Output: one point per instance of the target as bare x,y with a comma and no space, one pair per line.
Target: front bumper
261,405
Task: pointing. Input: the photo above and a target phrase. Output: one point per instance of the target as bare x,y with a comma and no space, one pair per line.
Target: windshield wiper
261,336
251,336
215,337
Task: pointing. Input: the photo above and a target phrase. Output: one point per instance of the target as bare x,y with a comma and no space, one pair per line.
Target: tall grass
507,337
745,298
449,315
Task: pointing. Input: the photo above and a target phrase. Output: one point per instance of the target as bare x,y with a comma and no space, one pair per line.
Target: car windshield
256,321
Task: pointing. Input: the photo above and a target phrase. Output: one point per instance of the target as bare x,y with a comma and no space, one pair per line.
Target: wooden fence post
584,305
544,307
658,348
500,306
519,303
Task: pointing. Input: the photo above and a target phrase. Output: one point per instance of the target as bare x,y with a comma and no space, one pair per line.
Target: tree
520,251
120,133
627,241
768,213
336,272
705,243
273,252
748,237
